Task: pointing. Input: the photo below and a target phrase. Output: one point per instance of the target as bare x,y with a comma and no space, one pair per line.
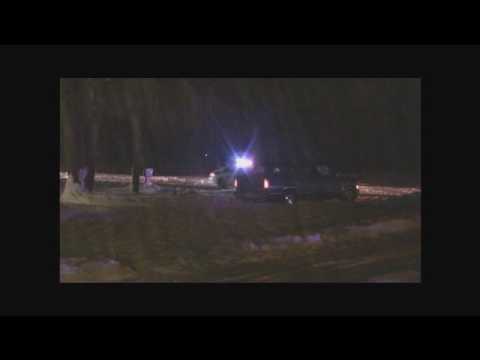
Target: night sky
189,126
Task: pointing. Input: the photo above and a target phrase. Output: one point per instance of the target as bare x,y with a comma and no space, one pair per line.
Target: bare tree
134,100
69,113
93,105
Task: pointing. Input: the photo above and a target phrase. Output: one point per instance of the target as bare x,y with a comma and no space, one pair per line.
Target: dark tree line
120,125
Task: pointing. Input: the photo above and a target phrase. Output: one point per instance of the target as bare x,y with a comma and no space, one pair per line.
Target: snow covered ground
384,266
175,230
376,190
161,180
115,188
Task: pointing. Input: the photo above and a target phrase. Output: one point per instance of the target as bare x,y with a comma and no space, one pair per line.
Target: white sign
148,176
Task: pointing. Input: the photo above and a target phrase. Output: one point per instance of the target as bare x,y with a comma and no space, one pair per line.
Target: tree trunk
135,178
74,174
134,99
68,93
92,115
90,179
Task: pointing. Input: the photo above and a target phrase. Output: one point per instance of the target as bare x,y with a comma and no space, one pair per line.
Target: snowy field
184,229
115,184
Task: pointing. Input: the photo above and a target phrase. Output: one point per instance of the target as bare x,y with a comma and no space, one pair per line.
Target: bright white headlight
243,163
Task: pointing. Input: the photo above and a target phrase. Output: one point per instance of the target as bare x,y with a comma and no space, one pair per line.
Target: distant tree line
189,126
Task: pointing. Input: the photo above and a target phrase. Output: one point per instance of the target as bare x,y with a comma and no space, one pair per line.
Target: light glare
243,163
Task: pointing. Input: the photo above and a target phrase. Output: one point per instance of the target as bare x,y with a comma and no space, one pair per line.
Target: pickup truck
290,183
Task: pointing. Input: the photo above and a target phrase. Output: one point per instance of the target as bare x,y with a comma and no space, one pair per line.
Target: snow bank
375,190
124,196
143,189
73,193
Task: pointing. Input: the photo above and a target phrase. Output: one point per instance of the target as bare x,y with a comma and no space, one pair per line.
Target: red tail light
235,183
266,184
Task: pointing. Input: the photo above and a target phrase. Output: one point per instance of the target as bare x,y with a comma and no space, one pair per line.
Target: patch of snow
374,230
152,189
298,239
284,241
314,238
366,189
383,228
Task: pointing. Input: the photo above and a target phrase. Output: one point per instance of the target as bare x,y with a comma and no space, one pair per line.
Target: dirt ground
209,236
